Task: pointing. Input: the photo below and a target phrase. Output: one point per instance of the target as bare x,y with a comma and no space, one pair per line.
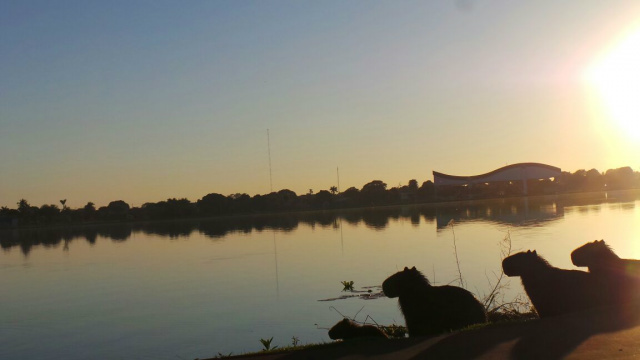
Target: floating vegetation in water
348,285
366,293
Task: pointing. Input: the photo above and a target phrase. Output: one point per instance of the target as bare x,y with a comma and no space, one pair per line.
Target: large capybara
347,329
431,310
600,259
555,291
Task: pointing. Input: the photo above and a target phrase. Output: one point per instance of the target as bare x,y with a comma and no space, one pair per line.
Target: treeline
374,193
514,212
511,211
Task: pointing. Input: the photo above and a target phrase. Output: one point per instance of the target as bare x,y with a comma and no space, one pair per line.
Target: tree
27,212
64,204
180,207
351,192
240,203
48,213
426,192
23,206
595,180
89,210
90,207
213,204
118,205
288,196
374,186
620,178
118,210
333,190
413,185
374,192
322,199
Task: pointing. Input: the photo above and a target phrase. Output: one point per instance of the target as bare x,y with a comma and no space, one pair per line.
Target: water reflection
513,212
516,212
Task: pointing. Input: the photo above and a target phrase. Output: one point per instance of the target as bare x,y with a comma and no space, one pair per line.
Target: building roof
520,171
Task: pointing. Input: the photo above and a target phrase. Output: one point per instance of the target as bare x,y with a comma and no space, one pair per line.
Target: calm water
185,290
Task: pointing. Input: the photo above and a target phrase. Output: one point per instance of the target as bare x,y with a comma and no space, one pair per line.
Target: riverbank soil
594,335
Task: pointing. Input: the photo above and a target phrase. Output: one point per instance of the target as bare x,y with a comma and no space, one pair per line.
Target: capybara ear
345,320
406,268
534,252
528,251
413,268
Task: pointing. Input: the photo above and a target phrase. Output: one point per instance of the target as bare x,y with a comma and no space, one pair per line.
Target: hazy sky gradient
147,100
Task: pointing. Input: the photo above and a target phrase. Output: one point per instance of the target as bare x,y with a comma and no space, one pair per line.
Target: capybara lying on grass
347,329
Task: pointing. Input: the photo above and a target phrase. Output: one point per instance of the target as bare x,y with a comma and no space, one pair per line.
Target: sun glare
616,78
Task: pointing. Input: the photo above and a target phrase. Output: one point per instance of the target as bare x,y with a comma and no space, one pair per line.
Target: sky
143,101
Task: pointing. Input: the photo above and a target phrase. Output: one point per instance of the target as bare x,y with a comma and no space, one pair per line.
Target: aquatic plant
348,285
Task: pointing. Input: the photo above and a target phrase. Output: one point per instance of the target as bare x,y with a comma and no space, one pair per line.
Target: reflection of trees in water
429,214
218,228
26,239
324,219
352,217
515,212
377,218
171,229
118,232
214,229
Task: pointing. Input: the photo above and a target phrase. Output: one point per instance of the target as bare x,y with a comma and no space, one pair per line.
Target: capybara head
338,330
591,253
519,263
402,280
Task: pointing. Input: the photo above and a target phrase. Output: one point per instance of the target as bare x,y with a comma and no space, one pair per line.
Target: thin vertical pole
275,251
269,152
338,172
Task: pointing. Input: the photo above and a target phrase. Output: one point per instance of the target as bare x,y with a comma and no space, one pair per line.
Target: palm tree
333,190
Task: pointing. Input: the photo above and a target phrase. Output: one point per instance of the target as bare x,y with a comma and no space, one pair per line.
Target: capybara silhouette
432,310
600,259
555,291
347,329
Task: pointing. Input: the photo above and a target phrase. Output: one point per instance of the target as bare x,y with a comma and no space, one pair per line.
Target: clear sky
147,100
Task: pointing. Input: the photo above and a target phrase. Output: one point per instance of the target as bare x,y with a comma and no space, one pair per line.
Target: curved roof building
515,172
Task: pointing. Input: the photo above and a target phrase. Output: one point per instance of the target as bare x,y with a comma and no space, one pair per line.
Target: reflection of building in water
500,181
515,212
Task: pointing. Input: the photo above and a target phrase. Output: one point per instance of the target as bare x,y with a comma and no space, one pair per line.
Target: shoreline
609,333
444,203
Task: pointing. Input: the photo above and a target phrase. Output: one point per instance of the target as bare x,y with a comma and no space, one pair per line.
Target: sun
616,79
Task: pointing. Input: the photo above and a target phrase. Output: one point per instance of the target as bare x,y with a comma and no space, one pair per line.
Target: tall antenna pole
338,173
269,151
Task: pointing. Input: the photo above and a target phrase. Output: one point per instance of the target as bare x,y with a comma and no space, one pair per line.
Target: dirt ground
601,334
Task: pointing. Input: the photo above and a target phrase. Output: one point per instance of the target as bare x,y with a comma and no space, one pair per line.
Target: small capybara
347,329
555,291
430,310
600,259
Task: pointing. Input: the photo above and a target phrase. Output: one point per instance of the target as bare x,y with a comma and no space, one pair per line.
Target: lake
194,289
